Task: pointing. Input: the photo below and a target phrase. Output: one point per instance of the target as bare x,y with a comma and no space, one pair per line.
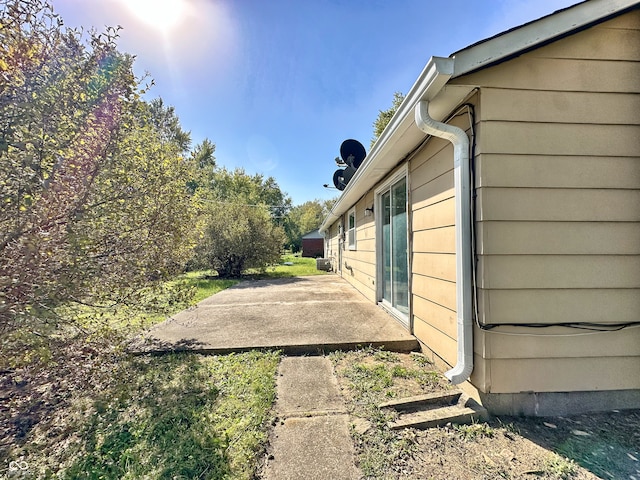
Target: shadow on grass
155,346
154,423
606,444
178,416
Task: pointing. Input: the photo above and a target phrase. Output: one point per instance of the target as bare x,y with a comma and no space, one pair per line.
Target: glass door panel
400,273
393,242
386,246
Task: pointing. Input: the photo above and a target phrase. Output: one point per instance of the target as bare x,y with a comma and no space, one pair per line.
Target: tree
240,187
385,116
204,166
92,178
240,217
237,237
305,218
137,222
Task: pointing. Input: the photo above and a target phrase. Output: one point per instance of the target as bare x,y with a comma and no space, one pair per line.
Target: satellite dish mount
353,154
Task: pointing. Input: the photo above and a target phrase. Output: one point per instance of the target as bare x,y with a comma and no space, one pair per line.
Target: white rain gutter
462,179
400,136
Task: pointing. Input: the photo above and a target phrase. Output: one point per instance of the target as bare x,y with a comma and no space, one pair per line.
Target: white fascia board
398,138
536,33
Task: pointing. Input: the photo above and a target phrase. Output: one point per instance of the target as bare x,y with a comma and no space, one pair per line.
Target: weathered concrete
314,448
296,315
311,439
307,386
434,410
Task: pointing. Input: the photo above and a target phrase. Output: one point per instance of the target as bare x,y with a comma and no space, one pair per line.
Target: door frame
340,244
405,319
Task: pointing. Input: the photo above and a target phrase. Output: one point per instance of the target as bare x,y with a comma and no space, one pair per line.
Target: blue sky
277,85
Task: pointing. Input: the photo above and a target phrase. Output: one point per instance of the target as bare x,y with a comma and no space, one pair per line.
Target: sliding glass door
394,271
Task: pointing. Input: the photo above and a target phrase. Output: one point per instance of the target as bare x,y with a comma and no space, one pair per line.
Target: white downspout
461,172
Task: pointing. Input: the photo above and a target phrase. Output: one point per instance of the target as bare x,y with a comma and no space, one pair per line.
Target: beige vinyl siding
559,204
434,254
518,375
531,72
332,250
544,345
554,238
580,171
438,215
558,212
438,342
359,265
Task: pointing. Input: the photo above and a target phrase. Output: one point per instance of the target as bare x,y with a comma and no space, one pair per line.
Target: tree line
101,192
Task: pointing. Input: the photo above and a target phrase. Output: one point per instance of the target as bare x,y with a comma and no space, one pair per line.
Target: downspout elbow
462,175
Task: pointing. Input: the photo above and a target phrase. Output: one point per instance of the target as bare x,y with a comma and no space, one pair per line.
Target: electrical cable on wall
593,328
539,335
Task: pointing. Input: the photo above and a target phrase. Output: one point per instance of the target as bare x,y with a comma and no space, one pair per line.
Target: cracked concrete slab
311,440
296,315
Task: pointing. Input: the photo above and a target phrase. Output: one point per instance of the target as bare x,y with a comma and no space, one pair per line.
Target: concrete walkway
311,440
303,315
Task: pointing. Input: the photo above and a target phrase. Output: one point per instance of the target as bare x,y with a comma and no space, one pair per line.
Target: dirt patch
527,448
580,447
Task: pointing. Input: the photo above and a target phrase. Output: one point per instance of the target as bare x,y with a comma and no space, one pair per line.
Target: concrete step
423,401
436,417
435,410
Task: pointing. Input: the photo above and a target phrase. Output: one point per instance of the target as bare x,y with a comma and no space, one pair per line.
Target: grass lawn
82,407
291,266
176,416
118,416
205,284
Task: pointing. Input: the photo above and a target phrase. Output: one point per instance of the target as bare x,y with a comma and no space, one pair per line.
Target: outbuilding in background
313,244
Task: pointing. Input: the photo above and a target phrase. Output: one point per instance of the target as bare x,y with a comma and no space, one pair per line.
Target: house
497,217
313,244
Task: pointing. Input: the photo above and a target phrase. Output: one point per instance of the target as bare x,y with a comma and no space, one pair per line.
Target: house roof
401,137
312,235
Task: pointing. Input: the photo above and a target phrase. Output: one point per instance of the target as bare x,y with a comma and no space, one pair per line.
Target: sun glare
161,14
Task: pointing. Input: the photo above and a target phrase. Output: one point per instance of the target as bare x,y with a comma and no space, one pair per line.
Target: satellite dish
338,179
342,176
352,153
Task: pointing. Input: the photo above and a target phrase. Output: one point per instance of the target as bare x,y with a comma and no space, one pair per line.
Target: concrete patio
302,315
299,316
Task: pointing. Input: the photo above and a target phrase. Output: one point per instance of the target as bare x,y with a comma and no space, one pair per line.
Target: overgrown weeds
473,431
372,376
560,467
173,416
74,404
